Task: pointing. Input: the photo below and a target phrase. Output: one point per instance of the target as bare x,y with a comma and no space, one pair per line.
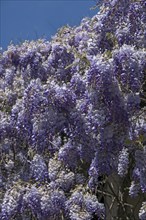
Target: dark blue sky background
30,19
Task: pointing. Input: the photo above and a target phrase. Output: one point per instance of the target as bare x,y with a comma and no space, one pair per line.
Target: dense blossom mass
72,114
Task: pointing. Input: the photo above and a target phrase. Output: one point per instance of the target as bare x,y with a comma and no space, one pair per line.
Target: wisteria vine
72,113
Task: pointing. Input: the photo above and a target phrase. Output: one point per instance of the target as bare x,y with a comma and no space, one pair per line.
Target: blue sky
30,19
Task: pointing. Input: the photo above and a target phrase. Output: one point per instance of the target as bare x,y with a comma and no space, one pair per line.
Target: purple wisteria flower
72,114
123,162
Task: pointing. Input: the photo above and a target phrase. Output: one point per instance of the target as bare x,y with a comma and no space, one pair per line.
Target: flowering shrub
72,115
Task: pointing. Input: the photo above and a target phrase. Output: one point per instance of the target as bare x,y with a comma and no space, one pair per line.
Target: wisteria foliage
71,113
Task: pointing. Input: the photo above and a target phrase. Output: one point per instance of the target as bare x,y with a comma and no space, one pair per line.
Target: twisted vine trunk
118,203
